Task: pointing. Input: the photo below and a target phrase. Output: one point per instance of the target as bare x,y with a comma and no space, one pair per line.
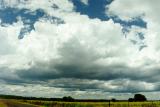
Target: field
2,104
34,103
14,103
94,104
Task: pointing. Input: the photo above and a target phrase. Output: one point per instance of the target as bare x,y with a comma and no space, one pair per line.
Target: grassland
39,103
94,104
14,103
2,104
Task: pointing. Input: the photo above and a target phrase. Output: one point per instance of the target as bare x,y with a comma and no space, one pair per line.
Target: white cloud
47,5
105,39
82,41
129,9
85,2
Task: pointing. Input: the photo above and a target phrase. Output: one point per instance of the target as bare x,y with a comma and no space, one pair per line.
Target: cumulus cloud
148,10
81,55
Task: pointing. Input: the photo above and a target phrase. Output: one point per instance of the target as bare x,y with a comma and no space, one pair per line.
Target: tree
139,97
113,100
68,98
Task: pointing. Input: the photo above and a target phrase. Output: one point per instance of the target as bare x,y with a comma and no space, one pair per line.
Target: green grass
94,104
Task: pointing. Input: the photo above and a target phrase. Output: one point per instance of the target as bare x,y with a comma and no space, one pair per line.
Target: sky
90,49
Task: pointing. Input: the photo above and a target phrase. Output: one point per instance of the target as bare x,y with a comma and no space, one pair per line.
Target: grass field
94,104
14,103
35,103
2,104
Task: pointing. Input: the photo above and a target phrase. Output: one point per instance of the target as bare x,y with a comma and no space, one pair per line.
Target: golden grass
94,104
2,104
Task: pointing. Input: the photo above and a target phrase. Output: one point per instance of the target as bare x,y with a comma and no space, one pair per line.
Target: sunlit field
41,103
2,104
94,104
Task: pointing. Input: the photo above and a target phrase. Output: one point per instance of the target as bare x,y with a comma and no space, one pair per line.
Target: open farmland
2,104
94,104
14,103
41,103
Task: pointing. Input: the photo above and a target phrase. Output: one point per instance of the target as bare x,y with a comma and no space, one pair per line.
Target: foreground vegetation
39,103
2,104
138,100
94,104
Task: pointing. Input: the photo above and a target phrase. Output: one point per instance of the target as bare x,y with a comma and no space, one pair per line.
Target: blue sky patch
137,21
9,16
95,9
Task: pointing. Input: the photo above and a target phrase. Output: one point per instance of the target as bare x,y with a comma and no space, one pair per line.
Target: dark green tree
139,97
113,100
68,98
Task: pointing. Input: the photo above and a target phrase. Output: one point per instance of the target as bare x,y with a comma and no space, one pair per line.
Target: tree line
137,97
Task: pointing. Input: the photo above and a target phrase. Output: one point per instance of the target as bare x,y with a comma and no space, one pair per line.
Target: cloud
147,9
63,5
85,2
149,13
78,55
